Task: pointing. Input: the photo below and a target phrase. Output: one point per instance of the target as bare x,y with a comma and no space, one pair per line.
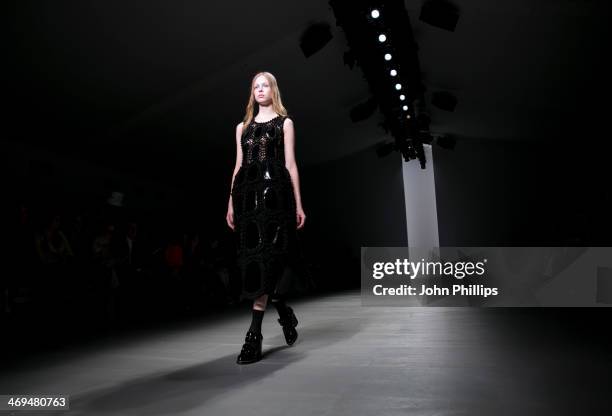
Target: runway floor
348,360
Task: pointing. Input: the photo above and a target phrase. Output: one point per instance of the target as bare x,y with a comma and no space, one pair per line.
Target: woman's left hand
301,217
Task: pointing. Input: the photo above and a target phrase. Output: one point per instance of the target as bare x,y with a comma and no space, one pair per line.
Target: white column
421,212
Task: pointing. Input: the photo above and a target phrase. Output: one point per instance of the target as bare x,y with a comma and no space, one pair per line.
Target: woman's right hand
230,216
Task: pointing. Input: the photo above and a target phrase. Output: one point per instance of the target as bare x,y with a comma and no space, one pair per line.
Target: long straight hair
277,103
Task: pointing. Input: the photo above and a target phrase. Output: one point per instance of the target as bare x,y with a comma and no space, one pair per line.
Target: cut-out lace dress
264,211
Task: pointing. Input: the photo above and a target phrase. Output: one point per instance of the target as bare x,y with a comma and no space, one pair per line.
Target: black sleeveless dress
264,211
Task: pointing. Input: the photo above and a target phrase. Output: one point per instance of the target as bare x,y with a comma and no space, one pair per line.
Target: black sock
280,305
256,321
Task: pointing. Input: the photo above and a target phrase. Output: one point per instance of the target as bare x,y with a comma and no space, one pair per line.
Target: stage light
407,115
391,38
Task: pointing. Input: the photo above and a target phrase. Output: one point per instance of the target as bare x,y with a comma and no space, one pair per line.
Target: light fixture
393,72
387,57
405,108
375,14
402,97
382,37
398,86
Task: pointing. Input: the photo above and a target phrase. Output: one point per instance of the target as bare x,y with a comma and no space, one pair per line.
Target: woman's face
261,90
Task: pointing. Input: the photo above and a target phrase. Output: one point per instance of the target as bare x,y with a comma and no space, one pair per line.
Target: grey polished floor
348,360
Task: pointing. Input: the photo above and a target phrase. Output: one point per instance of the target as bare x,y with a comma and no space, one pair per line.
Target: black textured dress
264,211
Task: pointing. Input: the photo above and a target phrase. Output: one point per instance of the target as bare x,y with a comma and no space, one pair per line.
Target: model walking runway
265,209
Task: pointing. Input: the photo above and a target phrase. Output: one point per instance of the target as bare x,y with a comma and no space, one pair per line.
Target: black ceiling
155,79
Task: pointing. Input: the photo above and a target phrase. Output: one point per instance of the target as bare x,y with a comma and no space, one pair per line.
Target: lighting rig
381,43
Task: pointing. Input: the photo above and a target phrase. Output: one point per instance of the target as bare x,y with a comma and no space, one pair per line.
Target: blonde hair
277,103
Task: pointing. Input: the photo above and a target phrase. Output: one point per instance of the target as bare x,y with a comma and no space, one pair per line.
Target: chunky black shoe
289,322
251,350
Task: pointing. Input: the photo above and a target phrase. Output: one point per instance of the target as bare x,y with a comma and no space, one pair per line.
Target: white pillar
421,212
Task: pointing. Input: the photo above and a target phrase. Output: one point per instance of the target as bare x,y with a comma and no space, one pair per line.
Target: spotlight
398,86
393,72
387,57
402,97
375,14
405,108
382,38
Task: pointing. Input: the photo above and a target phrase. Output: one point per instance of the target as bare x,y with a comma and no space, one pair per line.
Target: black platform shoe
289,322
251,350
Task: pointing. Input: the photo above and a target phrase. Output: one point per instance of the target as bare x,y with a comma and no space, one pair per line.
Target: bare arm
290,163
238,158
